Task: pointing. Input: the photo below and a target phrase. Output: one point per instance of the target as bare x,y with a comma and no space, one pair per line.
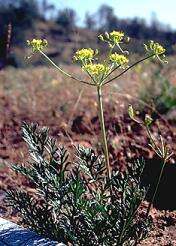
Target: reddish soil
71,114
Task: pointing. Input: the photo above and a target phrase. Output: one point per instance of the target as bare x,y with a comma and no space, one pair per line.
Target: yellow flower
118,59
116,36
96,69
84,55
155,49
37,44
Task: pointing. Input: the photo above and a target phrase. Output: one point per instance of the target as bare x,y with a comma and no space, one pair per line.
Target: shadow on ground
166,198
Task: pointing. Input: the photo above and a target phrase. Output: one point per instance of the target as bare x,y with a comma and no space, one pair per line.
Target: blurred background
68,25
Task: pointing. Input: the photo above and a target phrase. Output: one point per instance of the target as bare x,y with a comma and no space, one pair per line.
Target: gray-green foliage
74,201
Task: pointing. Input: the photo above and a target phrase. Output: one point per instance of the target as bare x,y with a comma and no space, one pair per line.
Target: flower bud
131,112
148,120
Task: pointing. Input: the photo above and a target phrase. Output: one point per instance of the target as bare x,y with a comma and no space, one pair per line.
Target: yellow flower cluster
84,55
156,48
96,69
100,71
159,49
118,59
37,44
116,36
113,38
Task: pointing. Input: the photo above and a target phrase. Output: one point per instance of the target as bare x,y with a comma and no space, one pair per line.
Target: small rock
14,235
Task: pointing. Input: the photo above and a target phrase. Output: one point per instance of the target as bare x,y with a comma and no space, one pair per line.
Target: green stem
152,140
63,72
156,189
103,131
133,65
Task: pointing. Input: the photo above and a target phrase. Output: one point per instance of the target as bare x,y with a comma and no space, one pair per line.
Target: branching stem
65,73
134,64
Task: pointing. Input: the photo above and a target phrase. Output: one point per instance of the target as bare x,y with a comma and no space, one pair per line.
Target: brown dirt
40,95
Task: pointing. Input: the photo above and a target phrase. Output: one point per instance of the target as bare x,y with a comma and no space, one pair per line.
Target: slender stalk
156,189
103,130
65,73
133,65
89,83
152,140
112,71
